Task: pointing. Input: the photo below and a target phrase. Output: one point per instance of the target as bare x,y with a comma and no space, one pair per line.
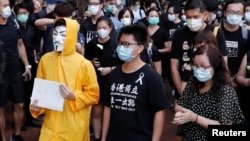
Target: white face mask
212,17
126,21
59,37
171,17
6,12
234,20
51,7
138,6
118,2
247,16
194,24
74,14
183,17
202,74
93,9
103,33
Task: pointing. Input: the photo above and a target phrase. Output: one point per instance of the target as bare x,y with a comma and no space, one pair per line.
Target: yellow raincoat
78,73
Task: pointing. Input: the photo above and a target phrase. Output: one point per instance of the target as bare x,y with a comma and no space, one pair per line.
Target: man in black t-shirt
182,43
88,26
135,100
237,45
14,76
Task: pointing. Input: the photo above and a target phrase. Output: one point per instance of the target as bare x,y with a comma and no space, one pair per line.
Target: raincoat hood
72,69
72,29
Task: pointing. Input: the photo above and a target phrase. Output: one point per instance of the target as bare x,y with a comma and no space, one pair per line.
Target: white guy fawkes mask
59,37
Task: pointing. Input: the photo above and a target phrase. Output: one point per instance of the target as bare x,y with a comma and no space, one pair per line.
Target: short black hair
101,1
232,2
63,9
122,11
60,22
106,19
247,4
140,33
195,4
176,7
211,5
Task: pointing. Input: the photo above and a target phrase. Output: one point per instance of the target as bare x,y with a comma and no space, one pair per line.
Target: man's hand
27,74
67,92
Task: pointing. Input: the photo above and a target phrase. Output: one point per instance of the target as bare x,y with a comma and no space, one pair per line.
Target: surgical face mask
247,16
118,2
171,17
183,17
124,53
126,21
153,20
109,8
219,13
202,74
184,3
194,24
212,17
22,18
51,7
234,20
138,6
93,9
103,33
6,12
74,14
59,37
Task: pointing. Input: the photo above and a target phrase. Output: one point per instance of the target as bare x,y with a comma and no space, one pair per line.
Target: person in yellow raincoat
80,87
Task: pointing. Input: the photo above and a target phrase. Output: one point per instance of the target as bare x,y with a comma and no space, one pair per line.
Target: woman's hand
184,116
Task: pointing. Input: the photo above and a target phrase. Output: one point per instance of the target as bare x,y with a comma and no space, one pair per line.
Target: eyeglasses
197,67
126,44
238,13
94,4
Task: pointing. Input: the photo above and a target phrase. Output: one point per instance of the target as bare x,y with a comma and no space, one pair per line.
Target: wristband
196,118
28,67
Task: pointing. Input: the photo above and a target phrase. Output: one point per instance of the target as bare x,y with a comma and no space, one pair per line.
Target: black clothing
88,29
222,106
182,47
134,98
236,48
106,55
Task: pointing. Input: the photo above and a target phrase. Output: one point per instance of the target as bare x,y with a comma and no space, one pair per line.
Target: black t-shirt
159,38
171,27
154,55
106,55
235,48
28,36
9,34
104,52
182,47
88,29
134,98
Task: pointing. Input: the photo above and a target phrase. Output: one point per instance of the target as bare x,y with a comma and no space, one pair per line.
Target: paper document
48,94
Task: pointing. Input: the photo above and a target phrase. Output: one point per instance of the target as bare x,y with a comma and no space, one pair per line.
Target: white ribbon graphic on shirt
140,78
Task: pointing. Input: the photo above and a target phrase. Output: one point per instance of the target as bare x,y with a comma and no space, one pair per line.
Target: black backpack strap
248,57
248,63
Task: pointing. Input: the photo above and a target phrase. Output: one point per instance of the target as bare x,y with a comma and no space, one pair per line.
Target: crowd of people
123,63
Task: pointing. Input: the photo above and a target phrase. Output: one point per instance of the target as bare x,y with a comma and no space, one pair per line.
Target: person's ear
205,16
141,48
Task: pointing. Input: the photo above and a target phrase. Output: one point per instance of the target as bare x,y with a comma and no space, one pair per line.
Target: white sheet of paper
48,94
